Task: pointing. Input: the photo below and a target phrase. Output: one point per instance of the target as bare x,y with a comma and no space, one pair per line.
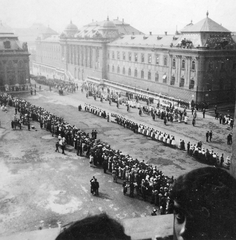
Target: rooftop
205,25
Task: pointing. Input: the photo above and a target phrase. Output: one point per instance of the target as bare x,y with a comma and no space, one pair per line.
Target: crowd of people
205,155
140,179
61,85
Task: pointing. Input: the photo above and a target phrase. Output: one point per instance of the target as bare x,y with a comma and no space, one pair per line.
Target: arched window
149,58
165,60
181,84
135,72
193,65
183,64
123,70
156,77
191,84
157,59
129,72
173,63
172,82
113,68
118,69
164,78
149,75
142,74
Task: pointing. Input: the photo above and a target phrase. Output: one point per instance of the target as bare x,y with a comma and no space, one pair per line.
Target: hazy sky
145,15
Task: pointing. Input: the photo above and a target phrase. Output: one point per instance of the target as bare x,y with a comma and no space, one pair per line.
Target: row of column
84,56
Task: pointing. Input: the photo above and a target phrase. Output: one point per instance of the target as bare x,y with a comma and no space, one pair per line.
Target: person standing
131,187
203,112
210,135
194,121
28,123
188,147
222,160
95,134
96,187
57,146
229,139
207,136
165,120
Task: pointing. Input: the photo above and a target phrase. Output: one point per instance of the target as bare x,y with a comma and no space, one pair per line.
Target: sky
156,16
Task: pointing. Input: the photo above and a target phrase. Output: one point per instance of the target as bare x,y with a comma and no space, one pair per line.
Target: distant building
197,65
14,59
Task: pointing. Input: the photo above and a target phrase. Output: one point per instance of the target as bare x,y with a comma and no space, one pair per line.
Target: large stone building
14,60
198,64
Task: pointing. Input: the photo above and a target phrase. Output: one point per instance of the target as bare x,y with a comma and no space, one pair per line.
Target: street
39,187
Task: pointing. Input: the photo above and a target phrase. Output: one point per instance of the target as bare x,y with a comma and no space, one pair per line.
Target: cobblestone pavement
39,188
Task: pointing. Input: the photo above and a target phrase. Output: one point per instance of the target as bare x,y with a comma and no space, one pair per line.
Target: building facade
198,64
14,60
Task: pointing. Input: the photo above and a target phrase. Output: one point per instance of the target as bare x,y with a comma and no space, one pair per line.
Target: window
108,68
165,60
149,58
181,84
123,70
183,64
172,82
193,65
118,55
149,75
157,59
108,55
113,54
142,74
129,56
173,63
192,83
156,77
142,57
135,73
123,55
234,66
113,69
118,69
164,78
222,66
129,72
135,57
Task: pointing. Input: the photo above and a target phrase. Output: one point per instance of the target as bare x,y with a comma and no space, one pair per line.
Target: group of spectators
139,179
205,155
220,42
70,87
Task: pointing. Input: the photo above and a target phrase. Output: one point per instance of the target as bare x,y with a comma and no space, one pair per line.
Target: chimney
150,33
165,33
123,20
